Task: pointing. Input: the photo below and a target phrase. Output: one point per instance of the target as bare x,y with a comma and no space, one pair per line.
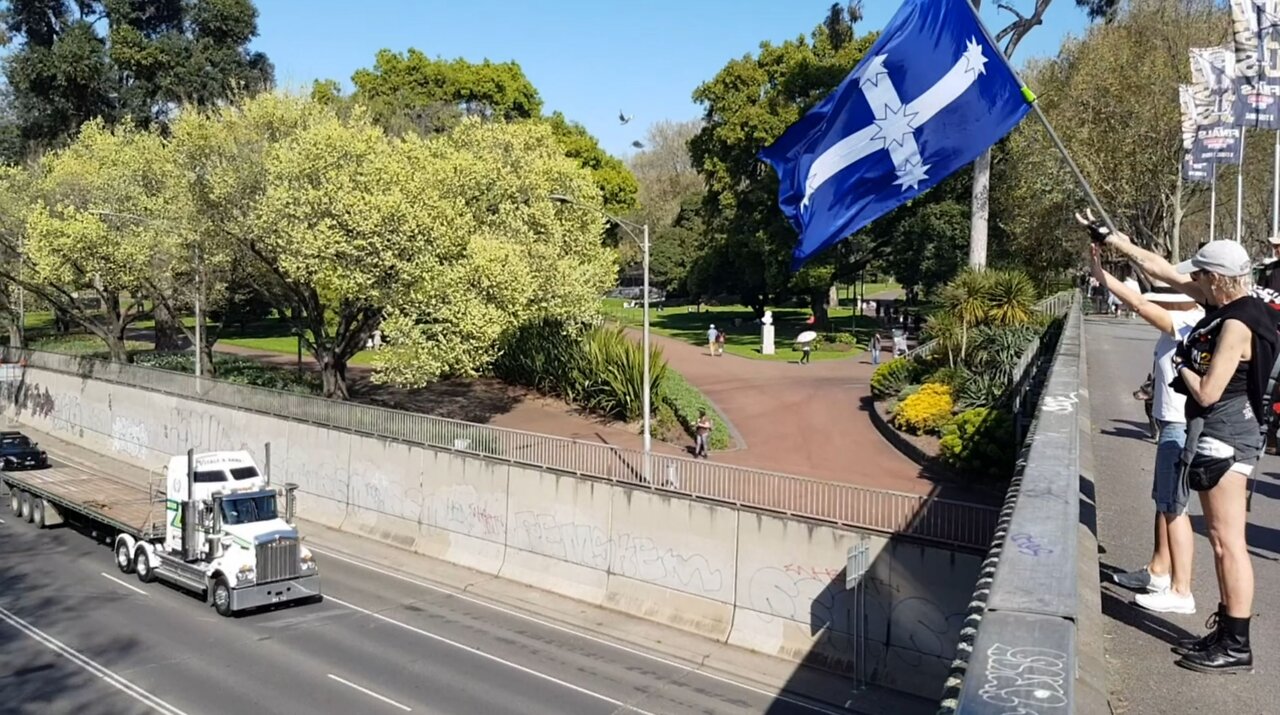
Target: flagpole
1275,190
1213,198
1240,188
1030,97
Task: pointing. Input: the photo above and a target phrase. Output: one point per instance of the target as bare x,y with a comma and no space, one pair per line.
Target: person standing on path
712,334
875,348
1165,582
1223,367
702,435
720,343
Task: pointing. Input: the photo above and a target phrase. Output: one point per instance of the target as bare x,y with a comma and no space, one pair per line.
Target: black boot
1214,624
1229,654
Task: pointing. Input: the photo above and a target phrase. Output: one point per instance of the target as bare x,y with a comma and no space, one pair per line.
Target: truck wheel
26,506
222,597
37,512
142,566
15,502
123,559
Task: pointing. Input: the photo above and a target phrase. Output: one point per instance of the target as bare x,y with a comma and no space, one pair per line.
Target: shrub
685,402
891,377
953,377
242,371
979,443
610,373
842,338
543,355
925,411
982,390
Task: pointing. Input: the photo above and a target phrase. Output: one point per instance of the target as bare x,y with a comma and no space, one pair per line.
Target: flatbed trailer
208,524
126,508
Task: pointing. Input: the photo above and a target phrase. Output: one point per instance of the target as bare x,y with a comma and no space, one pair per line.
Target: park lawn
744,339
288,345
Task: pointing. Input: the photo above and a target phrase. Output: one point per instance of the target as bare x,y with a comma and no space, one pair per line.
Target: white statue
768,317
766,333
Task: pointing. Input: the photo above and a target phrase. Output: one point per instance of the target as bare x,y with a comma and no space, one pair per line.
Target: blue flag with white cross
931,95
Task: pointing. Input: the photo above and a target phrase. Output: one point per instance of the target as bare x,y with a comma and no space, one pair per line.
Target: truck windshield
248,509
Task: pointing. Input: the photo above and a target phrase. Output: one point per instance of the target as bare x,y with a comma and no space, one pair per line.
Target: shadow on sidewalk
1121,609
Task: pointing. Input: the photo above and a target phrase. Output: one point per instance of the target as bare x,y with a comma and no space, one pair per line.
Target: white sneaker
1143,580
1167,602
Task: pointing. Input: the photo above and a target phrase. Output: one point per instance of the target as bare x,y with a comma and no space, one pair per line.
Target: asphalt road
78,636
1141,671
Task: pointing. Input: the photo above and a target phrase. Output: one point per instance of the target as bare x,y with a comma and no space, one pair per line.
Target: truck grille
278,560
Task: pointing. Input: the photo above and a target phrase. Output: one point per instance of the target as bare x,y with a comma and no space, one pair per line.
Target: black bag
1204,472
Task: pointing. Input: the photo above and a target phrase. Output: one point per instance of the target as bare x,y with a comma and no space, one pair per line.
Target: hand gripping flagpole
1030,97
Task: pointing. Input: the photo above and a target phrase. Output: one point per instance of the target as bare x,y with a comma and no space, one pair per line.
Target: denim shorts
1169,489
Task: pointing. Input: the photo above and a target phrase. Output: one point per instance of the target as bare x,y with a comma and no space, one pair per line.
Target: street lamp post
648,385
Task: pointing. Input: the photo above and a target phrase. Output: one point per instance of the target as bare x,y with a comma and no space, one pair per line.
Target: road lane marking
122,583
1,521
370,693
487,656
84,662
594,639
696,669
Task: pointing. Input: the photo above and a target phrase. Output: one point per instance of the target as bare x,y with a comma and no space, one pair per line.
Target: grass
743,338
83,345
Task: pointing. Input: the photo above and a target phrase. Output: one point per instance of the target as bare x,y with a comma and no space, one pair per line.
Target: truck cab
225,535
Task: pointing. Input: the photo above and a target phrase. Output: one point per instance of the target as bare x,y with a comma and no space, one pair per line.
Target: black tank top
1249,378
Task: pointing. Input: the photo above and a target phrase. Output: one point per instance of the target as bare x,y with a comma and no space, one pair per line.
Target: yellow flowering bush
925,411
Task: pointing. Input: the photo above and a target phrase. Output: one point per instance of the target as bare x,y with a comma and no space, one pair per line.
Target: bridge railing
921,516
1020,650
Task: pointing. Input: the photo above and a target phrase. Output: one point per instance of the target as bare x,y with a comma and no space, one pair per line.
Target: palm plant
968,299
1011,298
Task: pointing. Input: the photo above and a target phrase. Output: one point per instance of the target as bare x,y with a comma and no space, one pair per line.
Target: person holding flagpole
1223,367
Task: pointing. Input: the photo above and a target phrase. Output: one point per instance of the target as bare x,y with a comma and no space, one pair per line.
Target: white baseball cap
1225,257
1274,240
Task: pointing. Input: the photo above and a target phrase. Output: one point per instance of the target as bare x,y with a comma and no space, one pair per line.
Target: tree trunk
116,346
833,297
980,211
168,334
333,375
818,304
16,337
209,367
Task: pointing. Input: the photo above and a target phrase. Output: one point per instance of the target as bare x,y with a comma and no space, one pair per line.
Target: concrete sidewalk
1143,677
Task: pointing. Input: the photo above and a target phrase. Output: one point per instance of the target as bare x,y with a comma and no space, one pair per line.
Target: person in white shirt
1166,579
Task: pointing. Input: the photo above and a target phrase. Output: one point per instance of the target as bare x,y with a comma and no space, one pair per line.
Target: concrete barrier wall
768,583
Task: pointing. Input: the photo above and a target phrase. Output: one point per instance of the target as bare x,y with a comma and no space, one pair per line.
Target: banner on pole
1193,168
1256,31
1214,90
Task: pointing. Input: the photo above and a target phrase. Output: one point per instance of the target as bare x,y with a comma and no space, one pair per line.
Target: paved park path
1141,674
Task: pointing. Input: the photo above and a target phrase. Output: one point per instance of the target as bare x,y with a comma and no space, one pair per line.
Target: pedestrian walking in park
701,435
720,343
1223,367
805,348
875,348
1165,581
712,334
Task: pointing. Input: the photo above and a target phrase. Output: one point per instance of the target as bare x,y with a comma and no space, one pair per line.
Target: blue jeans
1169,491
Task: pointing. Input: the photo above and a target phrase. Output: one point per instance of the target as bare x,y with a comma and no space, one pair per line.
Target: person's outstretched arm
1153,264
1154,314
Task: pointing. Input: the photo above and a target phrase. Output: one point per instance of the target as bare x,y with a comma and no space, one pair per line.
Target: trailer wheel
15,502
37,512
26,506
222,597
143,566
124,560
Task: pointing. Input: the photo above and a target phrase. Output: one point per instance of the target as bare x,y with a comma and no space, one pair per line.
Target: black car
19,452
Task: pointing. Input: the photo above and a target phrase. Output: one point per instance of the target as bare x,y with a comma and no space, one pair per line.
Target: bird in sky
637,144
623,117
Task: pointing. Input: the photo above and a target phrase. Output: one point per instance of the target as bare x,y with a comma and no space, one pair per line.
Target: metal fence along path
920,516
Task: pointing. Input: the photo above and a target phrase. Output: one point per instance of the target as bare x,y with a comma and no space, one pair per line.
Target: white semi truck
213,528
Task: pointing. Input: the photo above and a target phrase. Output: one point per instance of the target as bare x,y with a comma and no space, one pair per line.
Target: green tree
1125,137
158,54
413,91
524,258
747,105
72,251
664,172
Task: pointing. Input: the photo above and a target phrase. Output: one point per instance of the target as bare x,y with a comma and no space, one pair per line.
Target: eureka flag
930,95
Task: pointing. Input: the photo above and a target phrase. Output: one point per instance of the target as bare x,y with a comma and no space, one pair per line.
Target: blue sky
588,58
